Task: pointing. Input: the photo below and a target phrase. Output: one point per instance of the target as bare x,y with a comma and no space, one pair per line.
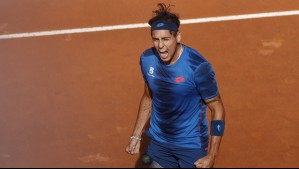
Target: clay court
71,100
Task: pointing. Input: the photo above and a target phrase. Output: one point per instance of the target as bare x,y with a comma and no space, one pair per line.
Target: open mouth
163,54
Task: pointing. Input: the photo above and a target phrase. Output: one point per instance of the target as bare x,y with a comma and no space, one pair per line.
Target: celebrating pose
179,85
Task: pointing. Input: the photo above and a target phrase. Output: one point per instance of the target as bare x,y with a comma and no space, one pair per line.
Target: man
179,84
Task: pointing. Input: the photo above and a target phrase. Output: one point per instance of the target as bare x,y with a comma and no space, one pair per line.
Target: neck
177,55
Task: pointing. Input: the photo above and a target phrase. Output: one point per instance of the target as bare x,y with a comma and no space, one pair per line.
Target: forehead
161,33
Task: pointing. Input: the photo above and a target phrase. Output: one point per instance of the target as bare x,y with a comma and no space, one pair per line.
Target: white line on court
143,25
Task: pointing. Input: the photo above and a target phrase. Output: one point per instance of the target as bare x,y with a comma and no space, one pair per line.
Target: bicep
212,101
215,104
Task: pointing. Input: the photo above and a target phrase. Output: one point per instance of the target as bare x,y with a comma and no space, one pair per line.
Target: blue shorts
174,157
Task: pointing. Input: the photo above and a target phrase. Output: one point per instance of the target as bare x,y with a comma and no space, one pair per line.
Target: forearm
218,113
215,142
214,145
144,112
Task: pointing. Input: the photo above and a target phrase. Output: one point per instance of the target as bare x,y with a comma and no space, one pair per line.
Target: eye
154,39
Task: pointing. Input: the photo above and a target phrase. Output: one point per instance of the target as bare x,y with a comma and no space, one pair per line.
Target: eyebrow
167,37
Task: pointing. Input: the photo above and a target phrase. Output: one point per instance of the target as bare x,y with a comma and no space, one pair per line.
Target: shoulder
148,57
194,55
195,59
148,52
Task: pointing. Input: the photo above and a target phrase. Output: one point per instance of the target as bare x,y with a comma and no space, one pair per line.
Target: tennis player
179,85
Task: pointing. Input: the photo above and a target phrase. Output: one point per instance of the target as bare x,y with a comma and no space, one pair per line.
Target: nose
161,44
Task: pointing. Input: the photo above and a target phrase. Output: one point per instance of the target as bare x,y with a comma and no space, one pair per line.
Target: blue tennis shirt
178,116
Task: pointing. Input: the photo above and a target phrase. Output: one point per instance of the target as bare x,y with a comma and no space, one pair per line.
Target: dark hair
164,14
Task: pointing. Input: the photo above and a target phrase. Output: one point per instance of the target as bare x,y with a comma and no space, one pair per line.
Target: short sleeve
142,71
205,81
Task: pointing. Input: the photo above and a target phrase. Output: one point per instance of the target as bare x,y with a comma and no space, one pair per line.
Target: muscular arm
145,109
218,113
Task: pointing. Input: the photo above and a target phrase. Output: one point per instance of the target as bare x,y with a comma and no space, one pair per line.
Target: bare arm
145,109
218,113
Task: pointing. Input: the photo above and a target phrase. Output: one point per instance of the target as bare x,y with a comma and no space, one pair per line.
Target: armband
217,127
214,100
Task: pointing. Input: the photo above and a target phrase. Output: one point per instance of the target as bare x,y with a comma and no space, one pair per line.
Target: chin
165,60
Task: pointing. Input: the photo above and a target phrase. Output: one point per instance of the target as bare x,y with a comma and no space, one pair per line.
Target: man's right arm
145,109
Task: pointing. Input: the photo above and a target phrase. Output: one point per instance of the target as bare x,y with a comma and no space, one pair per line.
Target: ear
178,37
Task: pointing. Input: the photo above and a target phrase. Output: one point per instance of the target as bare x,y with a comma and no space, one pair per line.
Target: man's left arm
216,107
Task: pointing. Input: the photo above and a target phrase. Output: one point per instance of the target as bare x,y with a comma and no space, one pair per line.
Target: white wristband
136,138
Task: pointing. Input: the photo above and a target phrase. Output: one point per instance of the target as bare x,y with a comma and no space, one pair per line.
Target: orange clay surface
72,100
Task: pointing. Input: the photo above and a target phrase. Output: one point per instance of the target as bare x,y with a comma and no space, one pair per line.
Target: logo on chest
179,79
151,72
